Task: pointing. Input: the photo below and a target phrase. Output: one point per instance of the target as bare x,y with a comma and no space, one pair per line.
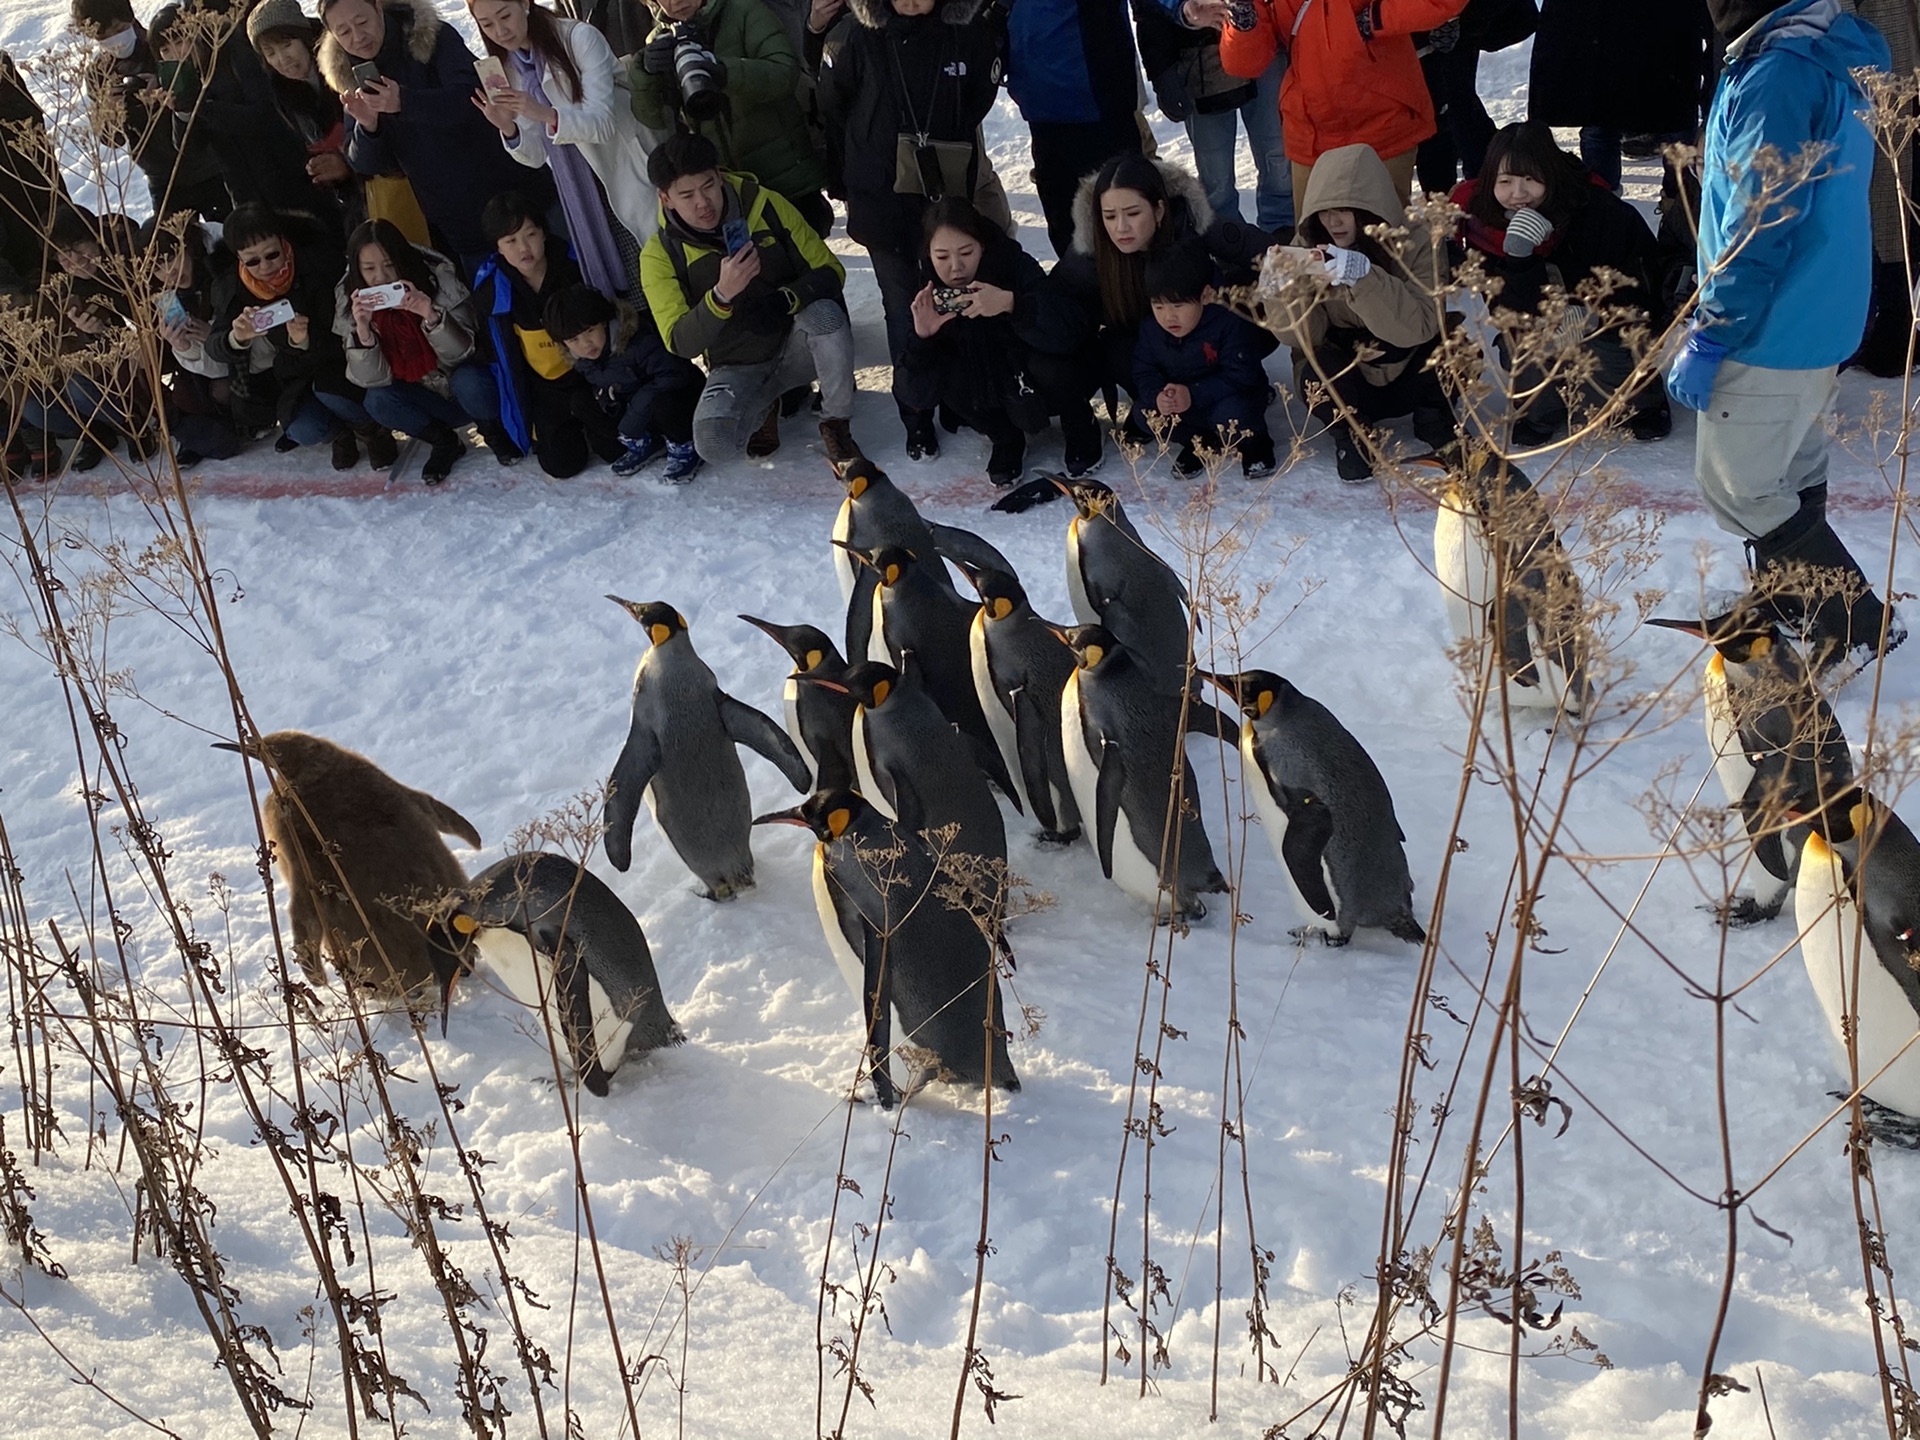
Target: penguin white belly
529,978
1274,821
842,561
863,768
998,720
1886,1018
877,635
1083,610
852,969
1463,564
1134,871
1730,761
791,697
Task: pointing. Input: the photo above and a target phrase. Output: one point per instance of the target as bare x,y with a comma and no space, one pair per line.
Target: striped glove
1527,230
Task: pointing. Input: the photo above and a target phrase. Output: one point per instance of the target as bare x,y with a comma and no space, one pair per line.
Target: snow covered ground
460,640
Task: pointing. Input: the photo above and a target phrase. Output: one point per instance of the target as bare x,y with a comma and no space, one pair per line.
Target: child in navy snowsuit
1199,364
647,390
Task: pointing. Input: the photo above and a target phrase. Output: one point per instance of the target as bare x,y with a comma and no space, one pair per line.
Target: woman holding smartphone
407,324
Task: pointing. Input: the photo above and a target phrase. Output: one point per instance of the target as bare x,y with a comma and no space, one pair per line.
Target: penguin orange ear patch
1093,655
1862,817
838,820
681,618
893,575
465,924
881,689
660,633
1001,607
1761,644
814,657
1263,703
856,487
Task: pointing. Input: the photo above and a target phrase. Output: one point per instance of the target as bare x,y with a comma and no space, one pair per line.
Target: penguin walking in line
819,720
1857,852
1493,527
1326,811
679,755
361,857
876,514
1020,670
913,615
1774,739
920,968
1115,581
563,944
1121,733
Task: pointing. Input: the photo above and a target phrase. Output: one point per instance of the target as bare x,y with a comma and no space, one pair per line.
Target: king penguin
1020,670
1121,734
1326,811
563,944
1774,740
679,754
361,857
917,964
819,720
914,615
1115,581
1859,853
1505,579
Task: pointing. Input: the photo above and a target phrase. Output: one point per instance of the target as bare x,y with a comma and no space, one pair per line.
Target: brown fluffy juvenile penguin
333,814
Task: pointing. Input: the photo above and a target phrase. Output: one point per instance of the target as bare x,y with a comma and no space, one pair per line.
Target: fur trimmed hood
421,24
874,14
1183,192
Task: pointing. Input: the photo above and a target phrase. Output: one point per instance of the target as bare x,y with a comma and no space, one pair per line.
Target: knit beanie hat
272,18
1733,18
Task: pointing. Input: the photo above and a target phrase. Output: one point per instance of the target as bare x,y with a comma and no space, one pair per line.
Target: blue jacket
1218,362
1070,62
1791,294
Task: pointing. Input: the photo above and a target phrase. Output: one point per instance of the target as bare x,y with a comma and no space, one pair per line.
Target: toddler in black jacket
1199,364
647,390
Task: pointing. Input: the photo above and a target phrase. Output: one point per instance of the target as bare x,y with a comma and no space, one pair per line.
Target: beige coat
1393,302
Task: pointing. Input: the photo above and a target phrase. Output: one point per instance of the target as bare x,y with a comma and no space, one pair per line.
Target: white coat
600,125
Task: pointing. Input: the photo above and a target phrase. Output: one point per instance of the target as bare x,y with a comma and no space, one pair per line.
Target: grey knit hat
279,17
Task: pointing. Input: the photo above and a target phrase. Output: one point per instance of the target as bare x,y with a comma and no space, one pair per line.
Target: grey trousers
737,397
1761,441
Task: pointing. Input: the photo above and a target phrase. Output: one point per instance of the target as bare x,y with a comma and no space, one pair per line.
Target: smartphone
172,312
365,73
493,75
735,237
271,317
385,297
951,299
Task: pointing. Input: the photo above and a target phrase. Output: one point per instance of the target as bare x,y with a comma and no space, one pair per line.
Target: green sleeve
766,70
824,275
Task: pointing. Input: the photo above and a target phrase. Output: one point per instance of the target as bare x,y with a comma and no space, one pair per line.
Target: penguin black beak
632,607
784,817
823,683
859,556
1061,635
777,633
1059,482
1695,628
972,572
247,751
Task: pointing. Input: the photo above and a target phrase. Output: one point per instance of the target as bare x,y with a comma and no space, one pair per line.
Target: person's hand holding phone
738,271
383,96
988,301
928,318
242,332
297,332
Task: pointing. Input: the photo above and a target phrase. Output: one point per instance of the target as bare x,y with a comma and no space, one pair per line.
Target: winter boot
1008,462
836,436
346,449
683,463
1815,586
764,441
143,446
285,444
91,450
1349,460
445,447
382,451
1434,425
923,441
1256,458
1531,434
640,449
41,456
1082,436
1187,463
505,452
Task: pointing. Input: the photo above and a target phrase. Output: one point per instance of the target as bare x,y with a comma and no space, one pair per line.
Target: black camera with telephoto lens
700,76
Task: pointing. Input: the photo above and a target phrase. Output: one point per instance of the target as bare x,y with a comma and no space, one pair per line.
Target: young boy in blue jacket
1199,364
640,384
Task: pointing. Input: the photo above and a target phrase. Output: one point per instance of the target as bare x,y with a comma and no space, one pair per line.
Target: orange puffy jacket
1342,88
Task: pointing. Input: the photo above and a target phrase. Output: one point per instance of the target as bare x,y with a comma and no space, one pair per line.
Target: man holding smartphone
407,81
736,276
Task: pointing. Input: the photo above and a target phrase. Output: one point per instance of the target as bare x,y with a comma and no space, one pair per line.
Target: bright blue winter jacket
1792,295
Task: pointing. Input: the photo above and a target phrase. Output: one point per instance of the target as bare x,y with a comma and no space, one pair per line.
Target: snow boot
683,463
1349,460
1434,425
1256,459
640,449
445,447
836,436
382,449
346,449
1655,422
1008,462
88,454
1814,585
505,452
923,441
764,441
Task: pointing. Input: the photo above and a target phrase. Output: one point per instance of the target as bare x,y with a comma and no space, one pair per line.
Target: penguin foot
1058,837
728,889
1885,1124
1744,910
1326,937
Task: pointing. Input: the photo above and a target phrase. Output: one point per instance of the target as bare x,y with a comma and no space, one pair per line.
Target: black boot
1815,586
501,444
382,450
444,448
923,441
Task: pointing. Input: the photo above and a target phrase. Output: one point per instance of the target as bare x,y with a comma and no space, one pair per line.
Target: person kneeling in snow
648,391
734,274
1373,332
1198,363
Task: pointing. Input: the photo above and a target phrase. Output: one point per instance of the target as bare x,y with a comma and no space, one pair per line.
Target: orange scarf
271,286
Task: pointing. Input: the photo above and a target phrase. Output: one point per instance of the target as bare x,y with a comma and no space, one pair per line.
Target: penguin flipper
749,727
632,773
860,614
1303,848
1206,719
1030,732
1107,792
448,820
968,548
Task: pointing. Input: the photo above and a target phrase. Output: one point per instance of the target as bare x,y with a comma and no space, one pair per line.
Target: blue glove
1690,377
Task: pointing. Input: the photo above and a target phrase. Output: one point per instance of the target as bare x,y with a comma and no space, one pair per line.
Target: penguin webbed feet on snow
1058,838
1887,1125
1328,938
1743,910
1024,497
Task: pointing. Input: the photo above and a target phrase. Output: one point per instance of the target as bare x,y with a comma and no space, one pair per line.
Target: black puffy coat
1598,229
977,366
262,162
1183,64
1637,66
275,394
887,75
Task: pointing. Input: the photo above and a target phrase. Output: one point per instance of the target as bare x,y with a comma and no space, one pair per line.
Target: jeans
409,407
83,407
1215,152
737,397
318,416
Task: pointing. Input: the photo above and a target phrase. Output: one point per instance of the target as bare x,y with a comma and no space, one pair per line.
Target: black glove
657,58
1444,36
1368,19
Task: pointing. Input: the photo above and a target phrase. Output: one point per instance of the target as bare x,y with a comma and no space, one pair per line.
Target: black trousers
1064,155
569,427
